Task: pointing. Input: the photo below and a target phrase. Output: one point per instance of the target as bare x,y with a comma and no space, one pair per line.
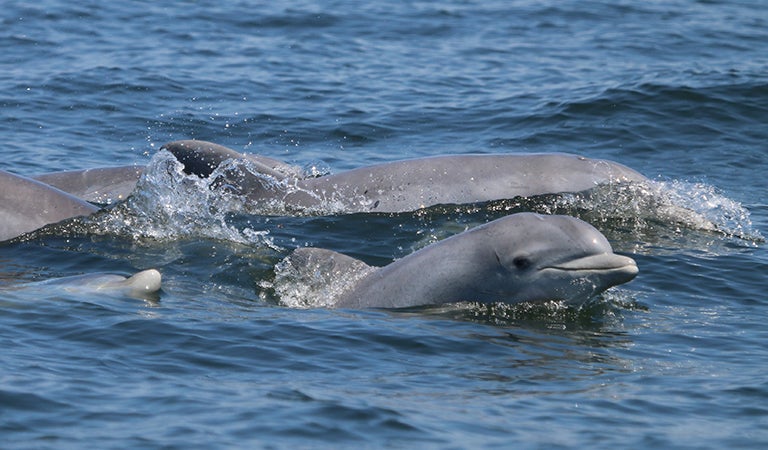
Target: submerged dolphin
26,205
523,257
142,285
407,185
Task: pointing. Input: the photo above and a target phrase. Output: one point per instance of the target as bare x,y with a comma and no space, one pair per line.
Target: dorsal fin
201,158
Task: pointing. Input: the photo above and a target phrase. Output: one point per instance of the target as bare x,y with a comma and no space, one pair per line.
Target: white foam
315,285
678,204
169,204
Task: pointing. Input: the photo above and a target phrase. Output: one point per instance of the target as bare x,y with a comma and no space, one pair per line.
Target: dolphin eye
521,262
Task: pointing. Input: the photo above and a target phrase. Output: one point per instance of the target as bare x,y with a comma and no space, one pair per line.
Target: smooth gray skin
100,185
26,205
412,184
523,257
138,285
143,285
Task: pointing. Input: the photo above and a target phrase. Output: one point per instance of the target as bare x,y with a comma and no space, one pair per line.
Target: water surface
675,359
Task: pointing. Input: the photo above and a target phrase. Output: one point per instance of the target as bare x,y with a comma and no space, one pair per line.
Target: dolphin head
538,258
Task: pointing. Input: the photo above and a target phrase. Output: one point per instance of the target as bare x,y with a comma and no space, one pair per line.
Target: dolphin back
26,205
102,185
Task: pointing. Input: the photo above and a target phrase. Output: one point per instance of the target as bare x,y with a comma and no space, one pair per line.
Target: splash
259,193
315,285
168,204
605,308
711,206
676,204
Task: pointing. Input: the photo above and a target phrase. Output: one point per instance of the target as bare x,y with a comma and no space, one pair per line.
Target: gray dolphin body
412,184
26,205
102,185
523,257
142,285
399,186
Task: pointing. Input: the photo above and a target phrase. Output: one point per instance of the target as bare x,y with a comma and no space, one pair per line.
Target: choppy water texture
676,90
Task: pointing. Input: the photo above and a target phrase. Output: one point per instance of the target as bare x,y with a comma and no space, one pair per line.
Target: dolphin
407,185
106,185
523,257
102,185
142,285
394,187
27,204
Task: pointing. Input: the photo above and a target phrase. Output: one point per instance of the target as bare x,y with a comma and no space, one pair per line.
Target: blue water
677,358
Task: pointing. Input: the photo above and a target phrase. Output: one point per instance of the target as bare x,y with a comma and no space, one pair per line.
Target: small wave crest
678,204
632,215
640,206
552,315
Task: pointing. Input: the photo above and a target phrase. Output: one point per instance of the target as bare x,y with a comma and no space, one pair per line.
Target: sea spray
168,204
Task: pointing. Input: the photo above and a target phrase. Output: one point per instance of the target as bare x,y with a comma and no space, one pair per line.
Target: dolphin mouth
621,267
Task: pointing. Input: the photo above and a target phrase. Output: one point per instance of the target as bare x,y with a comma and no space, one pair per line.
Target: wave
743,98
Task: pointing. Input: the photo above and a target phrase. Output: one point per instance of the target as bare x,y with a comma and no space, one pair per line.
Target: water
675,359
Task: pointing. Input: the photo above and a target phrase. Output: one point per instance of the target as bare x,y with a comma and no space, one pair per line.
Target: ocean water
677,90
